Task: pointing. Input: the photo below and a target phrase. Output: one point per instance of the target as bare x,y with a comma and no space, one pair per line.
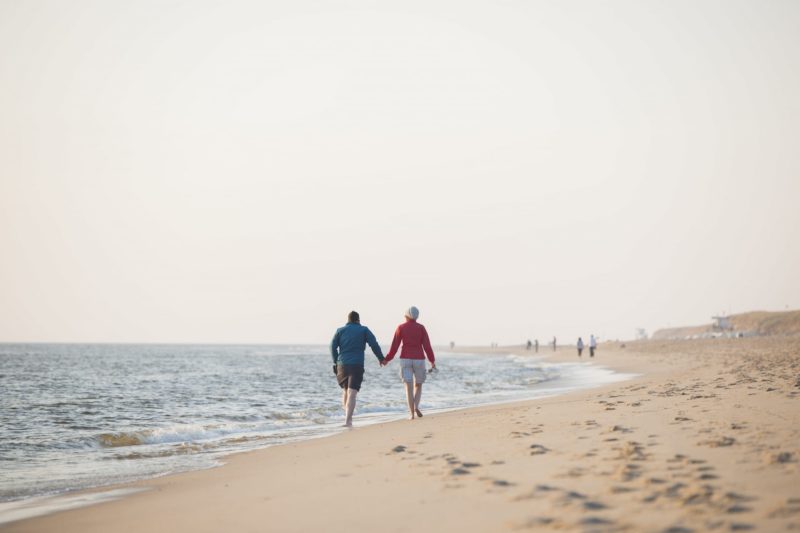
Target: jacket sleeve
426,345
373,343
335,347
395,345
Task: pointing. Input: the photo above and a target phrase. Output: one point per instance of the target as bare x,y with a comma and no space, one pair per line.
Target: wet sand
707,438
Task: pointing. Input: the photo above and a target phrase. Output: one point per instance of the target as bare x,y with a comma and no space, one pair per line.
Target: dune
754,323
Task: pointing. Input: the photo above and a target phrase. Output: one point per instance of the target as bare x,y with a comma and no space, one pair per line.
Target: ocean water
77,416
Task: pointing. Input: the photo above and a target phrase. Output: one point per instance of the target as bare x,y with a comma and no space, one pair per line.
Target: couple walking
592,346
347,349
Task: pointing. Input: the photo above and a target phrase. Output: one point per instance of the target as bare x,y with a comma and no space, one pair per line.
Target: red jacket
414,338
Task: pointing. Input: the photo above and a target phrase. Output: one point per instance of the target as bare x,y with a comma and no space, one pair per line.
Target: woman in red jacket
416,345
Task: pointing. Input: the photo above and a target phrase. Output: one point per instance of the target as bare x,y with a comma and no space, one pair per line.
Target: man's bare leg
344,400
417,397
351,406
410,399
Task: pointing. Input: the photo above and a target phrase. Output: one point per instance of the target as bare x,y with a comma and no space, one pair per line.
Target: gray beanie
412,313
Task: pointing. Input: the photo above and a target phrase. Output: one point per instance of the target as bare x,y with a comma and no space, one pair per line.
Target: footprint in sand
632,451
627,472
538,521
650,498
463,469
572,496
596,521
787,510
718,442
539,491
575,472
538,449
778,458
592,424
594,506
619,429
736,497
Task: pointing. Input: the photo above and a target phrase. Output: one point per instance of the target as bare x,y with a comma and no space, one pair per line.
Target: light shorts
413,370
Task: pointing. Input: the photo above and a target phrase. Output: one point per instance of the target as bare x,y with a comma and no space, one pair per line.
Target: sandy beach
707,437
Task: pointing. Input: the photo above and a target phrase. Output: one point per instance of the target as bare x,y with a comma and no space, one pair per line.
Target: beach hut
721,323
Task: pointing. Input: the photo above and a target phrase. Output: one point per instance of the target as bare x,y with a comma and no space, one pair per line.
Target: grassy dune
754,322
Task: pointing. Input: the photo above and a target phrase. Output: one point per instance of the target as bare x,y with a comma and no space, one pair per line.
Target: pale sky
250,171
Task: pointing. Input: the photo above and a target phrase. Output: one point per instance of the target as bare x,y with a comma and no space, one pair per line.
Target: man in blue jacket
347,348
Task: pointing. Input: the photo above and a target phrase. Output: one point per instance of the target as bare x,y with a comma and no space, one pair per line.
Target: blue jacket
349,343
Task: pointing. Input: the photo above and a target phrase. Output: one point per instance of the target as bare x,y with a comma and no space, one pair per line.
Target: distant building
641,334
721,323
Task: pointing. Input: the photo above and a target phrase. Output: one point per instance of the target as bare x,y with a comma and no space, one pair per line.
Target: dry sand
707,438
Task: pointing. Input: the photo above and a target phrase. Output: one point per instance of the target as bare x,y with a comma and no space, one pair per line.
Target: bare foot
419,413
411,417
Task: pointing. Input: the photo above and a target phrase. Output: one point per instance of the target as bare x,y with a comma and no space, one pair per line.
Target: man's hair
353,317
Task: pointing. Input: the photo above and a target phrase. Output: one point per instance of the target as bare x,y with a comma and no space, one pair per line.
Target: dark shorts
350,376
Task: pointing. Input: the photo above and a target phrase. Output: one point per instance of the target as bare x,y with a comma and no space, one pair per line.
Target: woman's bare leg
410,399
417,397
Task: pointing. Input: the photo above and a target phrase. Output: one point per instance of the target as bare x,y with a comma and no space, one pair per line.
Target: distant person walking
554,344
416,345
528,346
536,345
347,349
580,346
592,345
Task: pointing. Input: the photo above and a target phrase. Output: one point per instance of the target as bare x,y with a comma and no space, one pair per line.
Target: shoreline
577,460
47,503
